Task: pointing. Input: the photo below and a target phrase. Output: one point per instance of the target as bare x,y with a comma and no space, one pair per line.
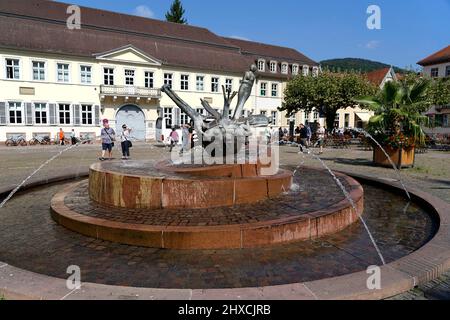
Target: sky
321,29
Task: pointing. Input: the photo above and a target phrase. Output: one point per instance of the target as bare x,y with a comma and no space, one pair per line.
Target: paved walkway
431,174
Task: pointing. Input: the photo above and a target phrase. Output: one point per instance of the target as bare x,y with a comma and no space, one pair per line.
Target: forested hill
355,64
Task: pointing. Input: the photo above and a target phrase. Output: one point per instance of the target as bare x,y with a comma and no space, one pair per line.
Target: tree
399,108
326,93
176,13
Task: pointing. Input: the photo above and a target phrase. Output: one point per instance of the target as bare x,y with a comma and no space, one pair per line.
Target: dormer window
261,65
295,69
273,66
284,68
305,70
315,71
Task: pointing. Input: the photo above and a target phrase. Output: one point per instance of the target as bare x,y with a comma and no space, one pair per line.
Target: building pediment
128,54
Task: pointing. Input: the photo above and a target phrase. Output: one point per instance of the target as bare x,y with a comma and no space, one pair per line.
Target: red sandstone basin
145,185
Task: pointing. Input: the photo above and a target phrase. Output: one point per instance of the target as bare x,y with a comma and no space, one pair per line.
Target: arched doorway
134,118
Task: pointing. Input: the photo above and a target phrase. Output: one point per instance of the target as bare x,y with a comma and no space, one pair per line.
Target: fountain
181,201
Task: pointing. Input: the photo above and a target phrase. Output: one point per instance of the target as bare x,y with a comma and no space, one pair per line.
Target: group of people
108,136
304,132
62,137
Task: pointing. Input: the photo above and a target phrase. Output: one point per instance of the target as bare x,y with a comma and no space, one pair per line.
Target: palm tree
398,111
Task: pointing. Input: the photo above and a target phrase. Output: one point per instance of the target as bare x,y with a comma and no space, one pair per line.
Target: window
12,69
284,68
263,112
273,66
184,119
316,115
38,70
229,84
274,90
108,76
274,117
263,89
167,114
305,70
86,74
149,82
214,84
346,120
200,83
87,114
63,72
64,113
295,69
447,71
307,116
168,77
434,72
261,65
184,82
129,77
15,113
40,113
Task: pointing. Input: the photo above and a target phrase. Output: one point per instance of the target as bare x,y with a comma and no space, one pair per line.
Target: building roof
441,56
40,25
377,76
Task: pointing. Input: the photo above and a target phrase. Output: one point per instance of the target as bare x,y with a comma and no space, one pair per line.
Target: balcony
129,92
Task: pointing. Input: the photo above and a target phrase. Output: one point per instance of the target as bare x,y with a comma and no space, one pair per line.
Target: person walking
126,142
73,137
174,138
321,137
108,137
303,139
61,136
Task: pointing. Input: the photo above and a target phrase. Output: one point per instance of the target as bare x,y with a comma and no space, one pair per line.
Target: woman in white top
321,137
126,143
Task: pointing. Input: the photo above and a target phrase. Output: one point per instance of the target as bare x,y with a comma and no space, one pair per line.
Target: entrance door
134,118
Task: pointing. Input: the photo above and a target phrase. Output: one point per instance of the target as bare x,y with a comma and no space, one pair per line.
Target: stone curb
426,264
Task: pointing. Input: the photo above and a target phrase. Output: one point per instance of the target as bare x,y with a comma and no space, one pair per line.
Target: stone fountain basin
145,185
187,208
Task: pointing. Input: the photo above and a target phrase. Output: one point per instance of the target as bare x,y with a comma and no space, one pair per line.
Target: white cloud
239,38
372,44
143,11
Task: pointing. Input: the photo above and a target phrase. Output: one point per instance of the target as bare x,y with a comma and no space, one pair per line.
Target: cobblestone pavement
431,174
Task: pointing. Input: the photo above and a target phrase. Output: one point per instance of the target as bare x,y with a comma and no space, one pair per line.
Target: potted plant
398,120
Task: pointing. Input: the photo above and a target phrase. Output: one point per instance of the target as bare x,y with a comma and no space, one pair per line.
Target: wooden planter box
402,157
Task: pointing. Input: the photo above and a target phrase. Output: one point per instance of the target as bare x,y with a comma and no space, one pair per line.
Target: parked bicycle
43,140
16,141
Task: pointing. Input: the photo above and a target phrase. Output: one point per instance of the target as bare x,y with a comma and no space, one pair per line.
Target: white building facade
53,78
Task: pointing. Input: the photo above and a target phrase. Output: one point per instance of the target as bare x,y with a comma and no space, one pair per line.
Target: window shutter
160,112
97,115
52,114
76,114
29,114
3,113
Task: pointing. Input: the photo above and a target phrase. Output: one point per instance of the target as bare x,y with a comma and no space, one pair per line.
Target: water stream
13,192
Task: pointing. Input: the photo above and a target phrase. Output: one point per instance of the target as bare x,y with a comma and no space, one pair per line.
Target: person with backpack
126,143
108,137
174,138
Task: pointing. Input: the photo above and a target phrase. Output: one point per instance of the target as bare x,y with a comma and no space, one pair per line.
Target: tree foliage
176,13
326,93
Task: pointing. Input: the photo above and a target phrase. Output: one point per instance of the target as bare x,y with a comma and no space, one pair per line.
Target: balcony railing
130,91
